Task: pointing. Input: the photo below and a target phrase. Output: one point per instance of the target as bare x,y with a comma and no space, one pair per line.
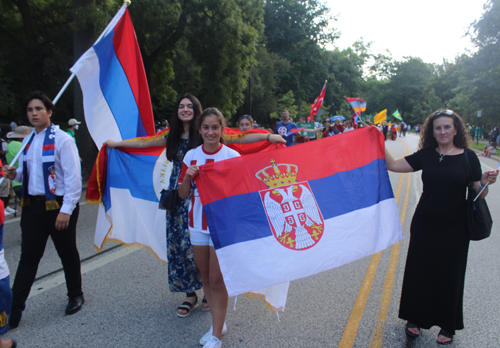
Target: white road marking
40,287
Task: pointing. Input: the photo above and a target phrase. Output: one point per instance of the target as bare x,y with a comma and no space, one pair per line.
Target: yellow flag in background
380,117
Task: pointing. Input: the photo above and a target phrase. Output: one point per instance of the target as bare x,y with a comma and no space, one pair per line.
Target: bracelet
268,136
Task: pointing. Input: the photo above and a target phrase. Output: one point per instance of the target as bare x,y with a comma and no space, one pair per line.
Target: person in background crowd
51,189
477,133
5,185
12,149
284,127
348,126
73,127
393,132
339,126
490,150
495,131
385,129
329,130
245,123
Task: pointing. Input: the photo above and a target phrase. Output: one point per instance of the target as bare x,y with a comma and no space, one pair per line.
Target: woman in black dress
433,283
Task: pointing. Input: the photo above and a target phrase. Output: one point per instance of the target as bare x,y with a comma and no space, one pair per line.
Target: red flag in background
317,104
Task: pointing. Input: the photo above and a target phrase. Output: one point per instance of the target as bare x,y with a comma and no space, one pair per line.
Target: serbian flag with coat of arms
288,214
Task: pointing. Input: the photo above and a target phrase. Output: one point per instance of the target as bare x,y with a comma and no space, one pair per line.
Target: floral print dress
183,276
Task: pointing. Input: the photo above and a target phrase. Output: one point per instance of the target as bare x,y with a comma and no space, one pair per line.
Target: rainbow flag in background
358,105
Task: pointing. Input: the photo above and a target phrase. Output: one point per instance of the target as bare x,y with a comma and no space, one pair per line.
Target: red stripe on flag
205,225
48,147
128,53
191,223
359,148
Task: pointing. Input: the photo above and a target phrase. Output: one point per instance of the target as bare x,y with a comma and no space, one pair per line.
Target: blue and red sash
49,170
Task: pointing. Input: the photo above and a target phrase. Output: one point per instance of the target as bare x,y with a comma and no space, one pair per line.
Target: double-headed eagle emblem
291,208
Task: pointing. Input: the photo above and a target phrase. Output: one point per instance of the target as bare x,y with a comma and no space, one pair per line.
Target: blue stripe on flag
357,104
131,172
336,195
116,89
47,152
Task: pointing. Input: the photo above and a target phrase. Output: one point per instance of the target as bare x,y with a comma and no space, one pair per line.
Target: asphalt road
128,303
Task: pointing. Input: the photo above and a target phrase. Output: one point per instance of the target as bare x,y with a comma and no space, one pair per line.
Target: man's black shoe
74,304
15,318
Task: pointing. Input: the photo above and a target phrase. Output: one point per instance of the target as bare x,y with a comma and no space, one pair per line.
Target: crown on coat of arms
277,175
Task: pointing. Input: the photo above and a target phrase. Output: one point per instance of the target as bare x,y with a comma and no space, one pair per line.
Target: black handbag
479,220
168,199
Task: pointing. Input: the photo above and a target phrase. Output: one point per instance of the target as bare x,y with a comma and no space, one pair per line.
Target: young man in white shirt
50,172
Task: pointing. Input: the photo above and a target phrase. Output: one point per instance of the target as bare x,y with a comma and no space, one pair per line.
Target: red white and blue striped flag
115,90
287,214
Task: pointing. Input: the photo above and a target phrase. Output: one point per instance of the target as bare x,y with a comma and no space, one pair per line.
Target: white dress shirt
68,169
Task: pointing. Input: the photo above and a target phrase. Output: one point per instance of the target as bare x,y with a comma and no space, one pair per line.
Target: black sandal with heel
446,335
410,325
187,306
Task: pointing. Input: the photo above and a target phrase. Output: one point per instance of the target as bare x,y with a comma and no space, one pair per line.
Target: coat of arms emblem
52,179
290,206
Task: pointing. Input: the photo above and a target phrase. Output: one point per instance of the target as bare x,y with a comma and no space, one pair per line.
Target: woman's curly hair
427,135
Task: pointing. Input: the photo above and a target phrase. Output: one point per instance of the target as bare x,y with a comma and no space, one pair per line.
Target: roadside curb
494,157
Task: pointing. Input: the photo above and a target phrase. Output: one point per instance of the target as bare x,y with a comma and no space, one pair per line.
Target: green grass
478,147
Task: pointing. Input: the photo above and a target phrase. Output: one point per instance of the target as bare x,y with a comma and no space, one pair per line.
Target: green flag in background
397,115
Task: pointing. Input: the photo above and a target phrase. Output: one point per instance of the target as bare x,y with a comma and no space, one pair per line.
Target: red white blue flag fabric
358,105
128,183
115,91
317,104
287,214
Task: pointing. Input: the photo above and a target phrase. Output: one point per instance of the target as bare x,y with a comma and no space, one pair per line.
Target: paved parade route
128,303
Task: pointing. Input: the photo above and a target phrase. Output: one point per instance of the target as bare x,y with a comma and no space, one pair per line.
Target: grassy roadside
475,146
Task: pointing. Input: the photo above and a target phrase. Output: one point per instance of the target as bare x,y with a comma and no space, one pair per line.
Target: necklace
441,155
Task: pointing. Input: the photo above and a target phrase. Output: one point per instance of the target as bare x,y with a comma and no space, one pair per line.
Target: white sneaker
213,342
10,210
6,213
207,336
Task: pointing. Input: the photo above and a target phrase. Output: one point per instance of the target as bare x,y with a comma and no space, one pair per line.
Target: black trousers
37,224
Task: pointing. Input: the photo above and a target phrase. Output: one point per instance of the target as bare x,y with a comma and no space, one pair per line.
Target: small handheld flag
317,103
380,117
397,115
358,105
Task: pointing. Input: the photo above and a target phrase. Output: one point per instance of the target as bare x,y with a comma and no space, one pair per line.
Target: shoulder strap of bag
469,171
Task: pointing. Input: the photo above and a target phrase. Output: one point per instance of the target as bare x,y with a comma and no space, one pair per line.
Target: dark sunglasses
248,117
444,112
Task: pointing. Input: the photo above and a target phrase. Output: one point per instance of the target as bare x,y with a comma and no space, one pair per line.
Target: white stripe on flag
100,121
139,221
346,238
